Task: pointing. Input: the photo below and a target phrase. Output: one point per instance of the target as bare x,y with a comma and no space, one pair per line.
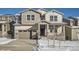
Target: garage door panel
24,35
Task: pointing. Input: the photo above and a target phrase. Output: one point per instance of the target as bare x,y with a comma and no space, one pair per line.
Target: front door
42,30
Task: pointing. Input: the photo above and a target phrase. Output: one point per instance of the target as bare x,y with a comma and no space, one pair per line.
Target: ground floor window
24,30
55,30
20,30
51,28
4,27
0,27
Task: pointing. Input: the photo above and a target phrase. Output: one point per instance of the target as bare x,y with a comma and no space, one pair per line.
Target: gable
42,11
30,11
54,12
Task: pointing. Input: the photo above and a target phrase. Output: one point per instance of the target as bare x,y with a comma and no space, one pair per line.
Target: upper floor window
19,21
55,18
51,18
0,18
28,17
43,17
6,18
33,17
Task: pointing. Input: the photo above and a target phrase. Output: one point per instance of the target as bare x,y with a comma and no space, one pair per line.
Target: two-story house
72,28
40,23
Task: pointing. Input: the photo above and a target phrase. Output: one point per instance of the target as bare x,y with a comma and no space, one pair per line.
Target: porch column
2,30
38,31
47,30
47,33
63,32
54,37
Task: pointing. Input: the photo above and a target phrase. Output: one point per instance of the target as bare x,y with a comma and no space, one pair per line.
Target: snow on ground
56,49
56,45
5,40
59,49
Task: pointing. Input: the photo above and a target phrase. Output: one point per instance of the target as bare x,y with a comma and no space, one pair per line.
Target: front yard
44,45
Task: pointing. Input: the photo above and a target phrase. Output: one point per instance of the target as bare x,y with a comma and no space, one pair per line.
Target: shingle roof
41,11
66,18
75,18
6,15
56,12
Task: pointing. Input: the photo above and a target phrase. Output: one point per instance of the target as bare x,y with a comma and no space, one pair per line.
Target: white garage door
23,34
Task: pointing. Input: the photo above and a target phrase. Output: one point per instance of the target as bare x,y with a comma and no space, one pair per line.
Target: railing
56,37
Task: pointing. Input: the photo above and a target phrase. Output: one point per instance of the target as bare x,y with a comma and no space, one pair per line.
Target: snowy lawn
64,43
5,40
56,45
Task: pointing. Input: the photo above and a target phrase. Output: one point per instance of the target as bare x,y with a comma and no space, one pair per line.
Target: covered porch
58,31
49,30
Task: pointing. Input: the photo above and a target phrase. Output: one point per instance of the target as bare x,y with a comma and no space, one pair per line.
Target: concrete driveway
19,45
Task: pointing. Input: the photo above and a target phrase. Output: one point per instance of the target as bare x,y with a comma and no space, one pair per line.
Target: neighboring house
4,25
72,28
40,23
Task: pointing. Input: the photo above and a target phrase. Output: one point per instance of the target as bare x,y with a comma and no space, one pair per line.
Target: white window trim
53,18
31,18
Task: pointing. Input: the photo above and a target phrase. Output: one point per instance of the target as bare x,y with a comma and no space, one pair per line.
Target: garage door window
20,30
34,30
24,30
